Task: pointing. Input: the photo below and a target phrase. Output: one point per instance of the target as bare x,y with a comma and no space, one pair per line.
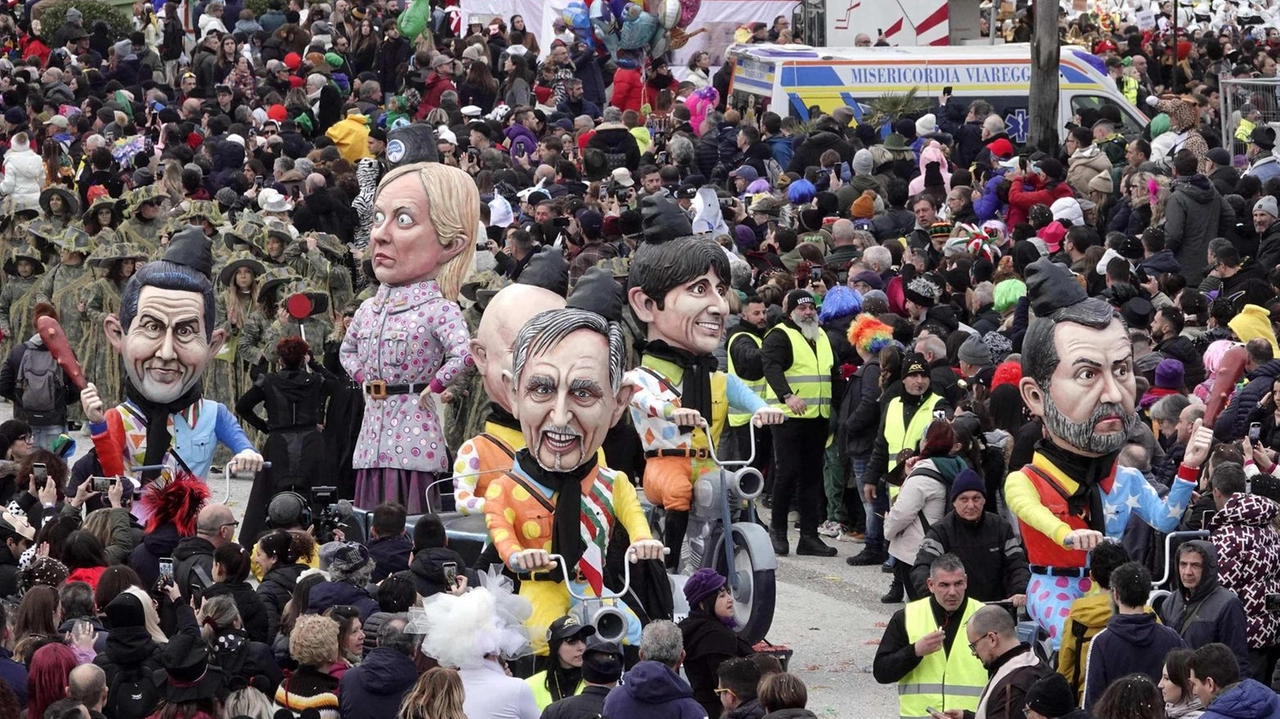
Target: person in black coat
295,399
825,136
601,669
1201,609
708,633
231,649
388,544
230,576
993,557
282,554
132,652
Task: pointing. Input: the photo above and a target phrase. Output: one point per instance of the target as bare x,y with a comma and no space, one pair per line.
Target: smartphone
102,484
940,415
40,472
257,180
1255,431
450,574
196,592
1206,517
166,570
935,713
947,90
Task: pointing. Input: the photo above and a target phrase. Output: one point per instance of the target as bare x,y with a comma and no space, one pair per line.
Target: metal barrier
1261,94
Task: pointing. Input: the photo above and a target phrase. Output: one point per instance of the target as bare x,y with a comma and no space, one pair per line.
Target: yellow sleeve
1024,500
500,518
1067,653
626,506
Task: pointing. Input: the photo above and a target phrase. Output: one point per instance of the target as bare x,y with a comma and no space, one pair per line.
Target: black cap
569,626
547,269
601,662
662,219
1051,287
599,292
191,248
412,143
914,363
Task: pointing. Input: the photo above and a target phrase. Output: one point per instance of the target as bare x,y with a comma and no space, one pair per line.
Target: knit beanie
125,611
1169,374
865,206
704,583
1051,696
863,163
1253,321
973,351
967,481
1007,373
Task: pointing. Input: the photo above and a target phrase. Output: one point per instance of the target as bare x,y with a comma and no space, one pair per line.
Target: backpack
40,385
132,694
773,170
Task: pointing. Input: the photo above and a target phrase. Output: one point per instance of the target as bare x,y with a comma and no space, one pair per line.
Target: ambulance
791,79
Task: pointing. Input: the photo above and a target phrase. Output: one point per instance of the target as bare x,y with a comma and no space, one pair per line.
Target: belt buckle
376,389
701,453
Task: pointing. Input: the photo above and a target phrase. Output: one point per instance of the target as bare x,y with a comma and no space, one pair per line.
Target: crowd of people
546,272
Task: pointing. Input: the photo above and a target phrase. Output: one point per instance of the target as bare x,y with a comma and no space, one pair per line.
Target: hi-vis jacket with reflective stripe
942,680
809,374
759,386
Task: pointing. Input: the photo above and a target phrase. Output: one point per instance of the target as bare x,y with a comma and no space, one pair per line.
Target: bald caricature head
503,317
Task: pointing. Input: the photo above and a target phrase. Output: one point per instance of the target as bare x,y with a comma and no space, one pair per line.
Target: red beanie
293,61
1184,48
277,113
1007,373
194,140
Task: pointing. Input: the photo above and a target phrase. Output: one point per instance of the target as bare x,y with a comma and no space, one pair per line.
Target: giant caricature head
677,289
426,219
165,329
1077,364
566,385
503,317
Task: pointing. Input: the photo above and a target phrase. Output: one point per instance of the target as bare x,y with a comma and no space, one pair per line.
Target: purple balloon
688,10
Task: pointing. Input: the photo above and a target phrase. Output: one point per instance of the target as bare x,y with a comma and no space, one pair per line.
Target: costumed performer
408,342
165,332
567,388
1077,376
677,290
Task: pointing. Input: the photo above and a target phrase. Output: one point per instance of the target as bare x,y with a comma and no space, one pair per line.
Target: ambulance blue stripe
756,84
811,76
801,111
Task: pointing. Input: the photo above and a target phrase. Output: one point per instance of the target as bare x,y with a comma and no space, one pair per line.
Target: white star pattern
1133,501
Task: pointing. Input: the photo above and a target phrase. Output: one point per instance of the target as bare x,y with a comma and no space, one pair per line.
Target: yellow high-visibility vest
942,680
809,374
759,386
899,437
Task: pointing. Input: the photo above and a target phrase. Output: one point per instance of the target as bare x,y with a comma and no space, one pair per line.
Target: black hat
378,134
1051,287
1131,248
1053,169
1137,312
601,662
914,363
547,269
569,626
191,248
662,219
1051,696
412,143
187,676
1263,137
795,298
125,611
599,292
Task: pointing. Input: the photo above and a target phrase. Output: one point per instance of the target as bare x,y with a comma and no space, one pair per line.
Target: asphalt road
828,613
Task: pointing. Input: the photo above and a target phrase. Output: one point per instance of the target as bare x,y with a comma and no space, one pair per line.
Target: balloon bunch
629,24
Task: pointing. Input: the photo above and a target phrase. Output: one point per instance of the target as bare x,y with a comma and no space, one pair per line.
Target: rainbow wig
869,335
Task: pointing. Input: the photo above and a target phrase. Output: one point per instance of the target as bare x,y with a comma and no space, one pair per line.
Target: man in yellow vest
798,362
902,424
743,351
925,647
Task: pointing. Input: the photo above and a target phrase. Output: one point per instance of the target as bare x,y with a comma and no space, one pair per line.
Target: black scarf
566,532
1088,473
501,417
695,387
157,418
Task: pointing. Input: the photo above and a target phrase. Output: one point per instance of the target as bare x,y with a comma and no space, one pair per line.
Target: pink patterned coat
1248,547
401,335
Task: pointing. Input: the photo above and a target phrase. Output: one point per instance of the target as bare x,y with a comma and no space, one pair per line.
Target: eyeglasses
229,524
720,691
973,644
29,439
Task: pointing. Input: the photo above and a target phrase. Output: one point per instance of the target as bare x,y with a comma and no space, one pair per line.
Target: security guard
798,362
743,350
925,651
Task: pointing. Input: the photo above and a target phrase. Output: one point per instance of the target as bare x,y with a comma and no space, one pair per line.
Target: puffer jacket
1234,420
23,177
1248,549
809,152
276,589
628,87
1194,214
1084,165
1210,612
1250,699
331,594
618,145
921,492
521,140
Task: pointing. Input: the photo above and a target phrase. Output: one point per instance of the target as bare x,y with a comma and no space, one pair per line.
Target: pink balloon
688,10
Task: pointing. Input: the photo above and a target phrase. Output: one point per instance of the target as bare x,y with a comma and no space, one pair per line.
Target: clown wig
869,335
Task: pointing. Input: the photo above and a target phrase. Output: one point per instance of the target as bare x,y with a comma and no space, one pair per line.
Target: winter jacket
932,153
922,492
1264,168
10,380
331,594
586,67
427,570
708,642
1234,420
1160,263
780,146
391,555
1181,349
587,704
1248,549
131,655
706,155
618,145
1130,643
237,656
145,558
651,690
1269,247
15,674
1033,191
436,86
988,206
1209,613
351,136
8,573
1012,674
276,589
1089,616
521,141
628,87
992,554
375,688
190,554
860,410
809,153
327,209
1084,165
1224,179
1250,699
1194,214
253,612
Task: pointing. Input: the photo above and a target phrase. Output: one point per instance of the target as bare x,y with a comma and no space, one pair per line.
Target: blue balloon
639,31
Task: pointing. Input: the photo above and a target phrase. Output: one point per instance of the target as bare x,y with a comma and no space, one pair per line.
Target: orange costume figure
566,390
